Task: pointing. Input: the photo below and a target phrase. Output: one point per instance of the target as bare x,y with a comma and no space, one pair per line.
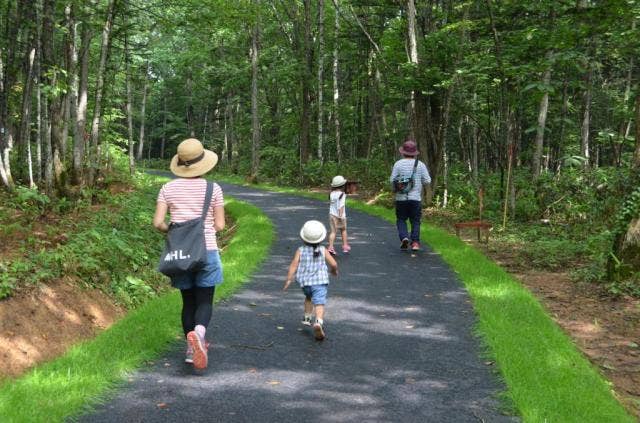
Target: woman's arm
292,269
159,216
218,218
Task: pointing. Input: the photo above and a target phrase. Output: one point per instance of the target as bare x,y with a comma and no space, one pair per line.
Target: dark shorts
210,276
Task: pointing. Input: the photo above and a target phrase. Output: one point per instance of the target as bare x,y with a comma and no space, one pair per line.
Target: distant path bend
399,344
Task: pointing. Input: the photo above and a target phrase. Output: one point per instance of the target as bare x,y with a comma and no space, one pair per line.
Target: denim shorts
210,275
316,293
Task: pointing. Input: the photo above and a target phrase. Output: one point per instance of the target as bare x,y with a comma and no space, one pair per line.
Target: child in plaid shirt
310,267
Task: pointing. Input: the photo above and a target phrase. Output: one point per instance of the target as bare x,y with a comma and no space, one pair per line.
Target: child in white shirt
338,214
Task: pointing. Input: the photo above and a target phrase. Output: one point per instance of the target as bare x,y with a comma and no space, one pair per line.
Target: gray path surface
399,344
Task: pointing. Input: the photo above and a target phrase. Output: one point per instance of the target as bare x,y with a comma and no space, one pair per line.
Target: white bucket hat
338,181
313,232
192,159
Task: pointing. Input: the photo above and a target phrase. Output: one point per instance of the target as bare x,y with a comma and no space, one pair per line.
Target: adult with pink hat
408,177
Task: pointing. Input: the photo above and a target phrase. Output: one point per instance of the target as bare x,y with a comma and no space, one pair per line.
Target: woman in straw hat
309,268
183,198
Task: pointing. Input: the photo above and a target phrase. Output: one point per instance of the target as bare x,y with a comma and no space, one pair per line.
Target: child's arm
333,265
292,270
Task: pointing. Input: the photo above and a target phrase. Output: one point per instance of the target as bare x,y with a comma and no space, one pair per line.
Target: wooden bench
480,225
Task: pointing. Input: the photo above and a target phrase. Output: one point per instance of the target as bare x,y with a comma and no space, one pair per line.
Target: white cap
338,181
313,232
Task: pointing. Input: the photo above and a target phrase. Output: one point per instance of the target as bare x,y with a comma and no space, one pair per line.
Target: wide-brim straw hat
338,181
313,232
192,159
409,148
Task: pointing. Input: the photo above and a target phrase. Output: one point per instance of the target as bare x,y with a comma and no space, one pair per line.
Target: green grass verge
547,378
86,373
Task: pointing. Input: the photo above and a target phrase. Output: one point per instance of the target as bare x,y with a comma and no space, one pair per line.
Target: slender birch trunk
320,79
307,60
80,133
94,153
413,59
542,119
143,108
586,116
255,118
336,89
636,152
129,105
25,123
163,140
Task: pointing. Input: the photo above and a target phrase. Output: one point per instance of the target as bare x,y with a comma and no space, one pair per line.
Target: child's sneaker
415,246
346,248
306,320
331,251
199,350
318,331
404,244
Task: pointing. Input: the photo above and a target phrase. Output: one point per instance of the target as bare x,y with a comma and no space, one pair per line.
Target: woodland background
536,103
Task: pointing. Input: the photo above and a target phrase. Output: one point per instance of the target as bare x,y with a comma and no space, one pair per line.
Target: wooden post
506,192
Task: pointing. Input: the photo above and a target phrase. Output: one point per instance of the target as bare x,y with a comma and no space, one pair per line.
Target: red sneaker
415,246
199,350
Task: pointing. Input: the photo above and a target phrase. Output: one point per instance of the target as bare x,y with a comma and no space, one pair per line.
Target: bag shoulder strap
207,200
415,166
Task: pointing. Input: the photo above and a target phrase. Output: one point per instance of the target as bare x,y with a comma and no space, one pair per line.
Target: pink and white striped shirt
185,198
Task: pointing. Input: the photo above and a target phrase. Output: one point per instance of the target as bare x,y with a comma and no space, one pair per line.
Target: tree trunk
94,153
542,119
320,79
129,105
25,122
228,131
336,89
255,117
80,133
305,135
143,115
636,152
413,59
586,115
163,140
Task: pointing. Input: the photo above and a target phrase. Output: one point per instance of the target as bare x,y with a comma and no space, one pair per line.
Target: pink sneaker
331,251
346,248
199,350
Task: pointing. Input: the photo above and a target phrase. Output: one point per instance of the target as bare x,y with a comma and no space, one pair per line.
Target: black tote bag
185,249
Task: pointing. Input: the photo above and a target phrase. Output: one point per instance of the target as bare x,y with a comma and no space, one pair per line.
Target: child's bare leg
319,308
343,233
308,306
332,238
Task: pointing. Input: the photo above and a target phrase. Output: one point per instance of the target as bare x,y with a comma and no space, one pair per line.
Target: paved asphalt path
399,344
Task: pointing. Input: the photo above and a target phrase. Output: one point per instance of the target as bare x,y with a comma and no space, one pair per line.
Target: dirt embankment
42,323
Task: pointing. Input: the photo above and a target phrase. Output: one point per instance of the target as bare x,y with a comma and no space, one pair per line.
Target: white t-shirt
337,200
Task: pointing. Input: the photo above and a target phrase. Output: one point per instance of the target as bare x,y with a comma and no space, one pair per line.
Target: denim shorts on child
210,275
317,293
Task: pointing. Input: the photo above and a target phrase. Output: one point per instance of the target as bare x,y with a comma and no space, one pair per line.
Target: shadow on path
399,344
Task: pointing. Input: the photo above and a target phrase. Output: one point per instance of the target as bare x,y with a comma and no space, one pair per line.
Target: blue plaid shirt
312,270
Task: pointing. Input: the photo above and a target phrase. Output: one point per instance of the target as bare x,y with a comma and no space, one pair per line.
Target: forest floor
605,328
